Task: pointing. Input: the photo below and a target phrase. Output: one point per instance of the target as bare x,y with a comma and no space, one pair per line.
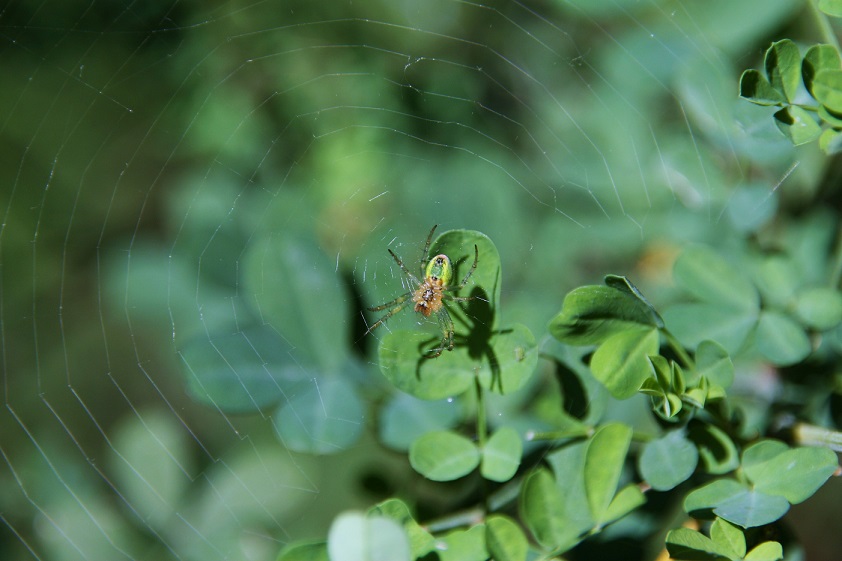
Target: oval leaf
622,364
604,460
504,539
797,124
405,418
354,536
542,509
783,66
710,278
827,89
668,461
501,455
795,474
819,308
781,340
323,417
443,456
756,88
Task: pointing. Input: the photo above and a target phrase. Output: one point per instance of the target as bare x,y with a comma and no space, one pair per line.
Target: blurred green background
186,182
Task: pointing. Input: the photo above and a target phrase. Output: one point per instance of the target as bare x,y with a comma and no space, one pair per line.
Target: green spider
430,293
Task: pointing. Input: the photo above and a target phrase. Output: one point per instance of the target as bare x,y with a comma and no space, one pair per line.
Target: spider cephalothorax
430,293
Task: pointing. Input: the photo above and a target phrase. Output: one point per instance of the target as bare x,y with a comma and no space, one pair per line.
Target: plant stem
678,349
482,422
826,30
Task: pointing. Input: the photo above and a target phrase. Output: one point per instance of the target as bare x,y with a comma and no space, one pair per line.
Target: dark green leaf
798,125
626,500
689,545
443,456
728,538
403,362
795,474
405,418
504,539
827,89
624,284
783,67
591,314
241,371
668,461
543,511
501,455
300,294
756,88
604,460
622,364
322,416
816,59
781,340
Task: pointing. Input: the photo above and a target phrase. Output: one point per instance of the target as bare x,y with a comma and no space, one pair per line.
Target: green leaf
568,463
420,541
624,284
667,461
463,545
511,362
622,364
797,124
795,474
693,323
403,363
405,418
755,88
504,539
716,449
831,7
728,538
819,308
710,278
299,293
781,340
354,536
443,456
543,511
735,503
766,551
827,89
459,246
831,140
714,363
310,551
591,314
626,500
501,455
816,59
322,416
783,66
241,371
604,460
687,544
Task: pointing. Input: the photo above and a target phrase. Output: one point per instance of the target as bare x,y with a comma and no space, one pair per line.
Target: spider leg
471,271
446,324
392,312
403,267
425,254
391,303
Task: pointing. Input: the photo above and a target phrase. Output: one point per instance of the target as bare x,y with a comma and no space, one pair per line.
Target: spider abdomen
427,297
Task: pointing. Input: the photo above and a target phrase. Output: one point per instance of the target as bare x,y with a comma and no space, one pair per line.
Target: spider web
148,146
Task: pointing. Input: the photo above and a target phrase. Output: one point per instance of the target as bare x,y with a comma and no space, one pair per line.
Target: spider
430,293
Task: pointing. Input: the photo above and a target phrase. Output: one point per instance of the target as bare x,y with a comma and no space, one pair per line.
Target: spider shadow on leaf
476,316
